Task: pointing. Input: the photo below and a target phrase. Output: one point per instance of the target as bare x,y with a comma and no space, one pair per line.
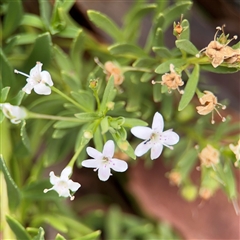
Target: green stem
75,156
97,99
126,69
51,117
69,99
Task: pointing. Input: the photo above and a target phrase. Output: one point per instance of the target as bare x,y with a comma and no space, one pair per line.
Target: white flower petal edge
38,80
104,162
63,185
15,113
154,138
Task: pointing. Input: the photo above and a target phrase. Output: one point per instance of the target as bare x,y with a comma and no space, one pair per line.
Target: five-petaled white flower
15,113
103,162
62,185
154,138
38,80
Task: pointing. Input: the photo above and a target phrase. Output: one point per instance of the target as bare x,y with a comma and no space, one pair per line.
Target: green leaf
18,98
132,122
84,98
91,236
40,235
66,124
165,66
186,46
127,50
14,196
71,79
32,20
76,51
60,237
17,228
190,88
162,52
108,94
106,24
219,69
22,39
4,94
59,133
13,18
62,59
24,136
157,94
43,41
6,71
144,62
98,139
87,117
45,12
158,38
174,12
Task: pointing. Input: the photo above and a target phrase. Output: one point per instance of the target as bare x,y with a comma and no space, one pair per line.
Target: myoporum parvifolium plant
68,98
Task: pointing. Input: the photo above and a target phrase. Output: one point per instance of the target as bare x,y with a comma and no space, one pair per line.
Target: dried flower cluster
209,156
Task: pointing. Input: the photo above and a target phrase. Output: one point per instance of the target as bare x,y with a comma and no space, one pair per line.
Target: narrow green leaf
32,20
76,51
131,122
14,196
106,24
127,50
144,62
4,94
98,139
45,12
86,117
186,46
157,94
174,12
219,69
13,18
43,41
62,59
6,71
71,80
59,133
189,89
158,40
22,39
60,237
40,235
147,77
66,124
17,228
162,52
91,236
84,98
185,34
18,98
165,66
24,136
108,94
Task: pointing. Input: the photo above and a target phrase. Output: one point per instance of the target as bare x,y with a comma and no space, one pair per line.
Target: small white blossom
154,138
62,185
103,162
38,80
15,113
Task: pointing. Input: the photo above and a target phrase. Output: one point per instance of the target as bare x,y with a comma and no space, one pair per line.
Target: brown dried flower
209,156
205,193
209,100
219,52
175,178
172,80
112,69
236,151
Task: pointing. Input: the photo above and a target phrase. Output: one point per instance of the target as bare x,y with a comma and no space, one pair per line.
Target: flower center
62,186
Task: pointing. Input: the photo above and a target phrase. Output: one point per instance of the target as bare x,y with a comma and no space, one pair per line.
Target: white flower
62,185
38,80
103,162
15,113
154,138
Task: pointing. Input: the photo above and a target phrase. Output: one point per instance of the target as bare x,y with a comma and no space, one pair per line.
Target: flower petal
158,123
142,148
53,179
66,172
92,152
73,186
108,149
35,71
156,151
42,89
118,165
28,88
90,163
169,137
142,132
104,173
46,78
